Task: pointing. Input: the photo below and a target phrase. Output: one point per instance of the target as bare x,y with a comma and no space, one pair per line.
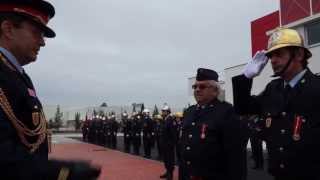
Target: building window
313,34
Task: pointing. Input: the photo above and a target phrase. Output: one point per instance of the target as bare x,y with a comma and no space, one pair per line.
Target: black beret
39,11
206,74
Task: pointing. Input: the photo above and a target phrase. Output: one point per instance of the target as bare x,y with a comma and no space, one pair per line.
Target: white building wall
314,62
259,82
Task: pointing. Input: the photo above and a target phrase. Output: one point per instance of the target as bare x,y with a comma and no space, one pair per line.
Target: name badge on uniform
268,122
297,128
203,131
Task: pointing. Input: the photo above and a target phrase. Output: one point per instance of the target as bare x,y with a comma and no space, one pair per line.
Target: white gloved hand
256,65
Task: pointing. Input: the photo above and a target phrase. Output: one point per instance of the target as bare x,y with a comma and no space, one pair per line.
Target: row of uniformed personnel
101,130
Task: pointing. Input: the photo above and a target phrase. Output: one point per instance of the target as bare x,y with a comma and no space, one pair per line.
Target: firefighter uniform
291,118
147,130
167,143
85,130
136,134
157,125
212,141
126,128
114,132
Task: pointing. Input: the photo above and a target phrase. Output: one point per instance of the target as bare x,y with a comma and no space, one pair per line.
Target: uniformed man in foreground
211,143
23,131
289,106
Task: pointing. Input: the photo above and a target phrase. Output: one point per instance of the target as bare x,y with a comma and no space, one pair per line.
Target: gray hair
215,85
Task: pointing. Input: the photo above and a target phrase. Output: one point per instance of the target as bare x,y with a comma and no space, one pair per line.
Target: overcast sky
125,51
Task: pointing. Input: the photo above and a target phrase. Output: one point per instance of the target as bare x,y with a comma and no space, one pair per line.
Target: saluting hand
256,65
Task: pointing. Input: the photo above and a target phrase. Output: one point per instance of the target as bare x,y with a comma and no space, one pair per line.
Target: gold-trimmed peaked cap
38,11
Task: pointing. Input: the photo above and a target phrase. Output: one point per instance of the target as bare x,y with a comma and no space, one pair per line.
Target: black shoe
163,176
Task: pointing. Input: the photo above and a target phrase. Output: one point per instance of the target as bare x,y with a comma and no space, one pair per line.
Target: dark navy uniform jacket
23,132
212,143
15,157
289,155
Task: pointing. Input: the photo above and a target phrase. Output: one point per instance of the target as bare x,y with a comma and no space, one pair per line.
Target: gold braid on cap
21,128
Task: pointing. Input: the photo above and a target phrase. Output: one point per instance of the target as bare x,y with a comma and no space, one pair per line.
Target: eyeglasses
200,86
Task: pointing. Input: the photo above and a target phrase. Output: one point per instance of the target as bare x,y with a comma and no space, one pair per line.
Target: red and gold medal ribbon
297,127
203,131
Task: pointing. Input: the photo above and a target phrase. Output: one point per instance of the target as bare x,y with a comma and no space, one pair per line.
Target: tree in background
77,123
50,124
104,105
95,113
155,111
142,107
58,118
133,107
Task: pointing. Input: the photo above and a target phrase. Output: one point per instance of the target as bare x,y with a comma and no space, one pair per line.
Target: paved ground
117,165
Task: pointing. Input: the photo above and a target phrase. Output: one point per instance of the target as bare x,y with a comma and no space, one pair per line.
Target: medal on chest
204,128
35,118
297,128
268,122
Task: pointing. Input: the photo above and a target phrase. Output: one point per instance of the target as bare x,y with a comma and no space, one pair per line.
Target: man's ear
7,29
300,54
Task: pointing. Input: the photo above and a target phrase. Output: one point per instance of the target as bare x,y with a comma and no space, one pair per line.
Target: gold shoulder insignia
22,130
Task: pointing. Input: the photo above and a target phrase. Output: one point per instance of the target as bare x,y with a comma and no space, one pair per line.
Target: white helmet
166,108
146,111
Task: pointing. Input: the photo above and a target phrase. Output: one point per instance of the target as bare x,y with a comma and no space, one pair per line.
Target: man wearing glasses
211,140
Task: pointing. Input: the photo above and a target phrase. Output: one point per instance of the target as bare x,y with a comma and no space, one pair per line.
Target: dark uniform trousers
157,139
147,130
291,124
136,136
22,156
127,135
114,132
167,142
212,144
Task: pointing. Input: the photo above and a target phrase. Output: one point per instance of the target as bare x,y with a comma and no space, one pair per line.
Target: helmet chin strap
277,74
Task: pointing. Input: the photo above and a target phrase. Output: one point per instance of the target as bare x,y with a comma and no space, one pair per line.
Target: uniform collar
210,104
12,59
293,82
